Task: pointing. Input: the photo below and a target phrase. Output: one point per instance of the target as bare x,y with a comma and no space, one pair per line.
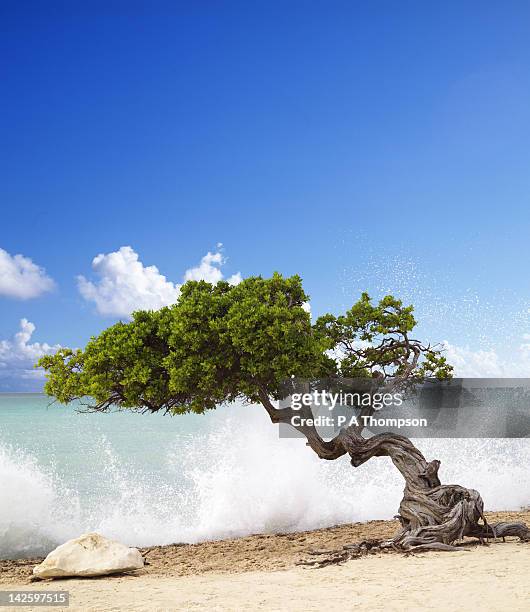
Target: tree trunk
432,515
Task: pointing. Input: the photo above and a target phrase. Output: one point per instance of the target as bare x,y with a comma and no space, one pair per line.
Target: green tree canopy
222,342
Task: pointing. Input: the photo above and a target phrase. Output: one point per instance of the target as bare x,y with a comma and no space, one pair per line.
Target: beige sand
219,576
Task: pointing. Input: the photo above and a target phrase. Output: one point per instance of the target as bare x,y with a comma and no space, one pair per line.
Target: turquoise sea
154,479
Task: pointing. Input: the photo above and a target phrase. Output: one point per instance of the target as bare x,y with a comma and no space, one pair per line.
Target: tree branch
330,450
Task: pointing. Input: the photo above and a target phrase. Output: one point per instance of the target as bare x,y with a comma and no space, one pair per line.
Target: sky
364,146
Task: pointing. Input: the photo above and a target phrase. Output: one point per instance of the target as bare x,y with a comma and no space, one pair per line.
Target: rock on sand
89,555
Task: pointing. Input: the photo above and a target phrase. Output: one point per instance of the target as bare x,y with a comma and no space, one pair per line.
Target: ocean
154,479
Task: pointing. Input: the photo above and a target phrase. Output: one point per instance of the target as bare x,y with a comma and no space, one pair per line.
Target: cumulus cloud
21,278
210,269
126,285
469,363
18,356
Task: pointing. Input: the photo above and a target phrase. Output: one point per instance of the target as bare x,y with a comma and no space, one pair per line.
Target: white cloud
210,269
126,285
18,356
21,278
468,363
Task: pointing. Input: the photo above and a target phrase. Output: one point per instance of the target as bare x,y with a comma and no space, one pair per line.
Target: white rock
89,555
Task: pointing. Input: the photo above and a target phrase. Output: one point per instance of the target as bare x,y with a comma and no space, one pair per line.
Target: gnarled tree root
323,558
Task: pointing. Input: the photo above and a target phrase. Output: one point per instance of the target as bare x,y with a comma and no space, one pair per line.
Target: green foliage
373,340
222,342
218,343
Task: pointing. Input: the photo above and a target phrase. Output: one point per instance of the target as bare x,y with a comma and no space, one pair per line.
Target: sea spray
247,480
148,480
36,510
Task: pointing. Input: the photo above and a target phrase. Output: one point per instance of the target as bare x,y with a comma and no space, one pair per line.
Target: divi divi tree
221,343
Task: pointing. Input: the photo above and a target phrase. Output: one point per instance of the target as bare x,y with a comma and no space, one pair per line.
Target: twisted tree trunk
432,516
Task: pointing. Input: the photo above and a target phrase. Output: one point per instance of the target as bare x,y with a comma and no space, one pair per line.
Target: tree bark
432,516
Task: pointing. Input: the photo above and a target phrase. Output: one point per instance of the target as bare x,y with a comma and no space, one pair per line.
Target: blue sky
361,145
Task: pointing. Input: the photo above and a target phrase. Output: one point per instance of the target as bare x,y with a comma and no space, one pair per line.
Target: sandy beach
259,572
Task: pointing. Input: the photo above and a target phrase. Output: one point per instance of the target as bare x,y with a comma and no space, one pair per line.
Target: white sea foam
234,478
35,510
